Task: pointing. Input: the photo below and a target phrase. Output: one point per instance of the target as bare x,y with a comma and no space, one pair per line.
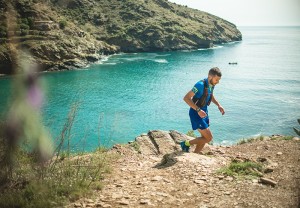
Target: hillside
262,172
67,34
152,171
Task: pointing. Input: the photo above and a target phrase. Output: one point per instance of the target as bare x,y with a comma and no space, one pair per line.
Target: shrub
24,26
30,22
24,32
282,138
65,177
246,168
297,130
3,31
249,140
63,24
135,146
191,133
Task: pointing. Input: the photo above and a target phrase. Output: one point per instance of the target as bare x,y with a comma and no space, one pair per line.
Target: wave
288,101
212,48
105,58
168,54
160,60
224,141
189,51
118,54
144,57
86,68
99,62
256,135
233,42
110,63
133,58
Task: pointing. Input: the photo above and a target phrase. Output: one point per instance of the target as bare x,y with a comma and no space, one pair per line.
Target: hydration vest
200,102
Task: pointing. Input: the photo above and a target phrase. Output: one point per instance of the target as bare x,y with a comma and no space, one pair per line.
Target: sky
250,12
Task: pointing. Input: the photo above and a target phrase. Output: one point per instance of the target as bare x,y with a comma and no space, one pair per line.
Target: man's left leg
206,137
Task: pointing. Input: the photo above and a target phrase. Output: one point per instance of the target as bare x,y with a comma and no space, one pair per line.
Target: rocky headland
68,34
152,171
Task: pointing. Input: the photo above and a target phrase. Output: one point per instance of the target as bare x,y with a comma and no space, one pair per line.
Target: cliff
69,34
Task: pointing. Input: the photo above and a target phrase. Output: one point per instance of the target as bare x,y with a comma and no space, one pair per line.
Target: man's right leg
206,137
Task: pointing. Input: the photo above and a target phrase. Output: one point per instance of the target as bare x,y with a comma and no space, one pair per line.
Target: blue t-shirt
198,89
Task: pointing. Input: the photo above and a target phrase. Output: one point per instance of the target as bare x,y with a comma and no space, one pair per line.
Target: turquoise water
130,94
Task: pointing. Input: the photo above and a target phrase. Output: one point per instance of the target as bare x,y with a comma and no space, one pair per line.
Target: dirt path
178,179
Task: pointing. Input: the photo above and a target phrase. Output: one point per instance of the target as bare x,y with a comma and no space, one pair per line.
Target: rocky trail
154,172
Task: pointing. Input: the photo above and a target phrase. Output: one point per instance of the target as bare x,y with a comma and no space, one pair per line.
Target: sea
126,95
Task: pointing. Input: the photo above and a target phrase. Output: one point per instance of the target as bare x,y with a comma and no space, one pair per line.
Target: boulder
146,146
162,141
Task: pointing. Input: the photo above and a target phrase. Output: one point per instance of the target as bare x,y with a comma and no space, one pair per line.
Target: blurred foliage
297,130
191,133
32,174
63,178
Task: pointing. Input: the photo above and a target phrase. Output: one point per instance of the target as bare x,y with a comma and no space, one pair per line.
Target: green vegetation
111,25
141,24
297,130
249,140
135,146
32,173
63,24
26,181
3,31
191,133
261,138
282,138
242,169
24,25
66,177
51,185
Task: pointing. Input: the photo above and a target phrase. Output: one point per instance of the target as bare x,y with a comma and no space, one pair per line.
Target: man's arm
221,109
188,99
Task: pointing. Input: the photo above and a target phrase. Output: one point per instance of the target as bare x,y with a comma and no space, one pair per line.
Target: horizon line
268,25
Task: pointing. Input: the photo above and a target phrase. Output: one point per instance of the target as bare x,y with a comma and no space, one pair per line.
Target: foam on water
160,60
212,48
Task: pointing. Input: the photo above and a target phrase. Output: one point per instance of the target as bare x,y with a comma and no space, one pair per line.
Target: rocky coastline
152,171
71,34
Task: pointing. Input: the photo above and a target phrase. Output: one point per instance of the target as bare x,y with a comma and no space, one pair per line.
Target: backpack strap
210,98
200,102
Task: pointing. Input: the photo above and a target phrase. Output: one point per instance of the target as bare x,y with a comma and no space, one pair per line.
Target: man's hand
221,109
202,114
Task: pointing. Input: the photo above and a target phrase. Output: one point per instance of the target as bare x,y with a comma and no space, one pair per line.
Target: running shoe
184,147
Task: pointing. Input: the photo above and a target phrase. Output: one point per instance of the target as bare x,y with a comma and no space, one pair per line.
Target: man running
198,99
